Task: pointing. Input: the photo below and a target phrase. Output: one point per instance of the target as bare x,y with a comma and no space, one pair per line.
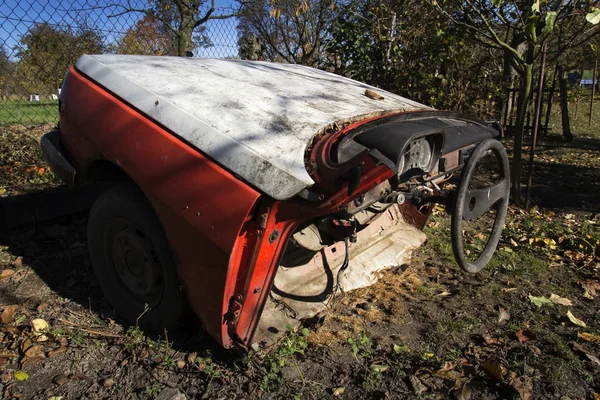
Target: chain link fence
39,39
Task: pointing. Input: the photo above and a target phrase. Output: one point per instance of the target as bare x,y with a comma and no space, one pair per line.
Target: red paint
221,247
201,205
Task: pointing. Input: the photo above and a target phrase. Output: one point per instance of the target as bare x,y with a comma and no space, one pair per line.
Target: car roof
254,118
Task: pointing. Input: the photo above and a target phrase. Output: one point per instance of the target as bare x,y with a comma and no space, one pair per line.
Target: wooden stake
593,92
536,123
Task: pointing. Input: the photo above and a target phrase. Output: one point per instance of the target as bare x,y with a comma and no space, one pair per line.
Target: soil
425,330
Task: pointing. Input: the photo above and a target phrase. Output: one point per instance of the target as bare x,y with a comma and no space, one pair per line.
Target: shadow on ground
56,251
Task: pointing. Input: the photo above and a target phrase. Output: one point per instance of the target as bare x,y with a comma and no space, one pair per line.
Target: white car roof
254,118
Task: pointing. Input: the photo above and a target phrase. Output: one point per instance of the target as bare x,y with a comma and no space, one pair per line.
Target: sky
16,16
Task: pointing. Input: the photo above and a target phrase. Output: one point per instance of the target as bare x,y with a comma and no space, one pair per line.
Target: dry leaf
27,363
60,379
8,314
589,337
493,368
589,290
560,300
521,336
18,263
596,396
373,95
464,393
417,385
503,315
34,351
523,385
59,350
338,391
576,320
580,349
6,273
39,325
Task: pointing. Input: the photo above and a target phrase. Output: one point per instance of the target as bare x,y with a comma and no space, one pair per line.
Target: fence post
593,92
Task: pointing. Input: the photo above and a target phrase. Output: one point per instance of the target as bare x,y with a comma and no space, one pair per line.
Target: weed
77,338
270,368
152,391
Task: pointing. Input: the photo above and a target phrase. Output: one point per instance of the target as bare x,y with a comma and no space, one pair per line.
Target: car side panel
202,206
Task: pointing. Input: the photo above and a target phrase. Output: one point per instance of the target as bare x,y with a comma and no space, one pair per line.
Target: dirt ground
527,327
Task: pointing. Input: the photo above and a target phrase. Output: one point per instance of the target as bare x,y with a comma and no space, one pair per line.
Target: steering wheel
474,203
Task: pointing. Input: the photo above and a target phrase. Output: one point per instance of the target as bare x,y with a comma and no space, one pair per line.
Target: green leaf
576,320
539,301
536,6
593,17
594,47
400,349
497,3
304,331
379,368
21,375
550,21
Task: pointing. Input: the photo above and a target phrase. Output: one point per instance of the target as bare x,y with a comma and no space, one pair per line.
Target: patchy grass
28,112
425,329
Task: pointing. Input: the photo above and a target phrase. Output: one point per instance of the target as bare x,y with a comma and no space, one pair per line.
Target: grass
28,112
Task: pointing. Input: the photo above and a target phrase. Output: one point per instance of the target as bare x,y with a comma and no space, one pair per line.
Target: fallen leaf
6,273
379,367
60,379
373,95
400,349
192,357
493,368
560,300
444,294
580,349
8,314
339,391
39,325
523,385
596,396
21,375
34,351
27,363
575,320
589,290
18,263
464,393
589,337
8,354
417,385
521,336
539,301
503,315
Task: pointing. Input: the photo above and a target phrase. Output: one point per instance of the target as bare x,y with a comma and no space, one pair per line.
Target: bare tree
288,30
181,18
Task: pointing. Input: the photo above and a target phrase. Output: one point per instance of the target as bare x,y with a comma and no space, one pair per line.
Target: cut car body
262,188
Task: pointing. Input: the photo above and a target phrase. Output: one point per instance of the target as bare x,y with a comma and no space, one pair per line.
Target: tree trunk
184,39
564,105
522,106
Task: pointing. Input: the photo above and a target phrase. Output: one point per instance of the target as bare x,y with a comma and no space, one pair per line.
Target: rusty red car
252,192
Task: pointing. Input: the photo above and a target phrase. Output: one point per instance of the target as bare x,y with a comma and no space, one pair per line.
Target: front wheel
132,260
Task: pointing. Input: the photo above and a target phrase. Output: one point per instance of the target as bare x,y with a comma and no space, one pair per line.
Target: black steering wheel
474,203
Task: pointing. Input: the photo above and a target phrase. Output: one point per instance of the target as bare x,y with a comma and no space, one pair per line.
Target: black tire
132,260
